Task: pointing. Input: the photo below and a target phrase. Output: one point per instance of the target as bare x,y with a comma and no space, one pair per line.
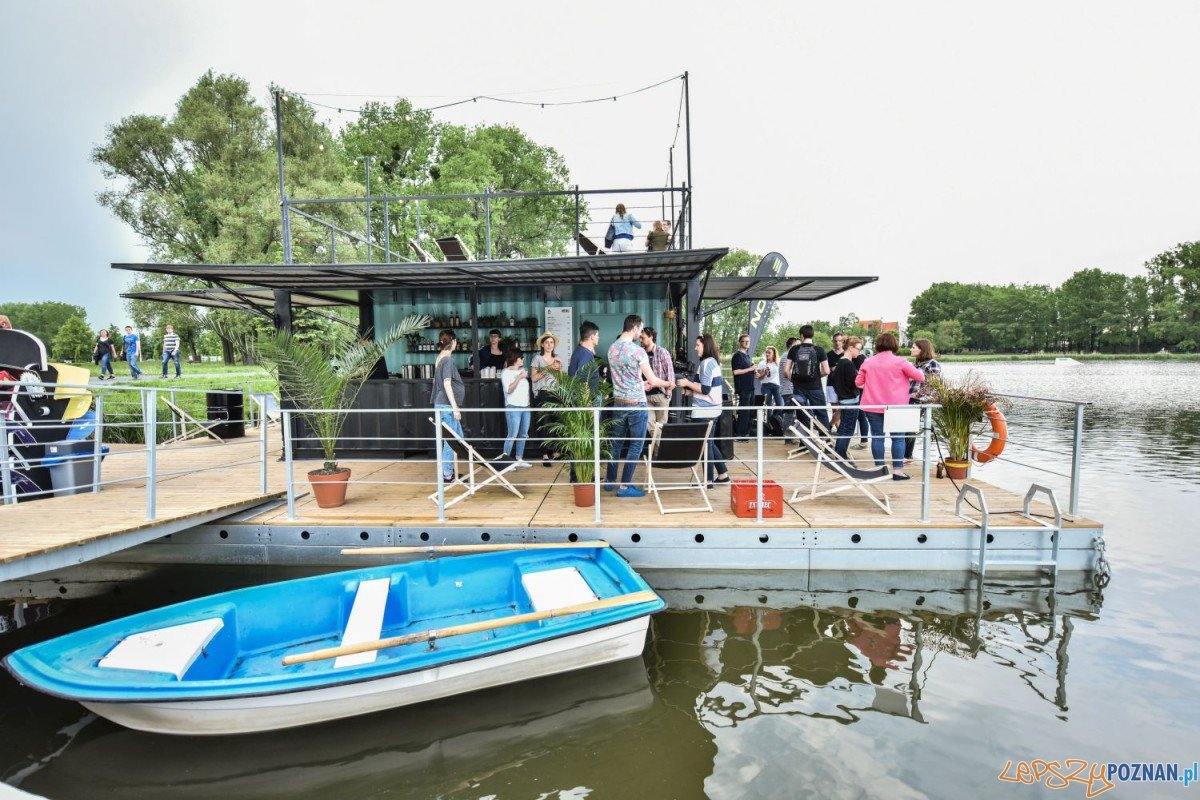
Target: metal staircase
1036,559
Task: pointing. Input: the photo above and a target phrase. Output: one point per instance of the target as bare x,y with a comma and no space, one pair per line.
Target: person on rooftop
657,239
623,224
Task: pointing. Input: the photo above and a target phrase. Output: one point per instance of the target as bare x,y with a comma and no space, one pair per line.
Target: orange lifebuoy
999,437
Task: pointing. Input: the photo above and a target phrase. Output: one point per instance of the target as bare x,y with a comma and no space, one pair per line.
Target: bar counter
393,435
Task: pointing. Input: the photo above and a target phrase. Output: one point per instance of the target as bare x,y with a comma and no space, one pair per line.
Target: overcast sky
916,141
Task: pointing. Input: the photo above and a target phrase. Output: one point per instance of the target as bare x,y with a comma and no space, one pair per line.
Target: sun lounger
847,475
453,249
679,446
589,247
465,451
421,253
197,428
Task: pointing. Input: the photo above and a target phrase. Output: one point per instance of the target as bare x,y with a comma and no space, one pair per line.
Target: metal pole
441,471
687,121
98,445
174,422
262,449
487,215
5,464
1076,453
387,233
418,203
287,463
367,162
151,426
926,419
759,445
332,246
283,201
577,219
596,461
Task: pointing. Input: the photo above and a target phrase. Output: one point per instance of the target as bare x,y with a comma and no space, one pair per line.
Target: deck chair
848,476
588,246
800,450
184,419
465,451
453,249
421,253
679,446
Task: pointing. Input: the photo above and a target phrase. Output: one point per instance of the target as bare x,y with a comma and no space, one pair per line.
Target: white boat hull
277,711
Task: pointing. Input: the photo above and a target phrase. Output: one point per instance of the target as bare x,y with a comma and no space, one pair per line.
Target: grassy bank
1077,356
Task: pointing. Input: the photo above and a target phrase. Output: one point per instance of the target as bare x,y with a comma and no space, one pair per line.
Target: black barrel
229,408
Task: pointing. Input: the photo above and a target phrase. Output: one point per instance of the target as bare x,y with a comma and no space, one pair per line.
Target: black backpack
806,363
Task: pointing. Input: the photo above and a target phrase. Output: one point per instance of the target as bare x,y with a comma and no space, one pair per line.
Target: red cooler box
743,497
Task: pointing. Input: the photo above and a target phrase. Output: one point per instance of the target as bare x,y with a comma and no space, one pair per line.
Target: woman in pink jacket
884,379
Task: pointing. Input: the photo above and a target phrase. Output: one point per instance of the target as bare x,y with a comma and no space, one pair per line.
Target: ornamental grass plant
962,405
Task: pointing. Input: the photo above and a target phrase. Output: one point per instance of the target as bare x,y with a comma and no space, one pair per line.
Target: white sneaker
520,464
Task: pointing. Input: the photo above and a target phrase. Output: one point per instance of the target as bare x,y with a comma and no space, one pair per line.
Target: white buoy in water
1066,361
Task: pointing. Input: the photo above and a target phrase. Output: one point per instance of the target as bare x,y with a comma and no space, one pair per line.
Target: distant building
878,326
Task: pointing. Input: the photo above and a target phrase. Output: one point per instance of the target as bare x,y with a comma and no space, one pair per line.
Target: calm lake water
776,686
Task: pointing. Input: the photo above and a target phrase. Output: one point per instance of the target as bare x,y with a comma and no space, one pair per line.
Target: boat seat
171,650
557,588
366,620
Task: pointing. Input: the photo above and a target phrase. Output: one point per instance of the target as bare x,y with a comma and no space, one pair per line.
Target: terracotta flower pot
956,470
329,487
585,495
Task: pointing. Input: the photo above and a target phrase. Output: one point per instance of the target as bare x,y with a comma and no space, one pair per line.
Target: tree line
1091,311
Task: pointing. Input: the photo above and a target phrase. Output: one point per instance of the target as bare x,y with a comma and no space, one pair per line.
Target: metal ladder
981,564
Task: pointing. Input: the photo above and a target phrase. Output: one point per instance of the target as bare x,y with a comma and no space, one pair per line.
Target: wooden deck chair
848,476
465,451
453,249
588,246
421,253
800,450
679,446
185,419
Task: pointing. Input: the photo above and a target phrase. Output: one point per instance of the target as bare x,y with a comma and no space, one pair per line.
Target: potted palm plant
962,406
322,385
574,431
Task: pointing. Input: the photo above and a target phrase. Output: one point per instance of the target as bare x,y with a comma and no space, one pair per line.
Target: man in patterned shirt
630,373
660,364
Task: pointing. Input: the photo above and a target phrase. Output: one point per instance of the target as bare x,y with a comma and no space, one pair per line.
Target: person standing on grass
170,350
630,372
660,363
707,401
884,379
809,364
515,382
926,357
106,351
743,384
448,393
841,380
133,351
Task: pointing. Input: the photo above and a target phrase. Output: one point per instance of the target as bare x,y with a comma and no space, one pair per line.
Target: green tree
44,319
948,336
1173,284
74,340
725,326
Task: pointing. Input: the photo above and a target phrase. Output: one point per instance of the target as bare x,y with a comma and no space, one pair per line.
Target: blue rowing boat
315,649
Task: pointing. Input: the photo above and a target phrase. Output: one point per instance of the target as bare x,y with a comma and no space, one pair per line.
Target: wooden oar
631,599
467,548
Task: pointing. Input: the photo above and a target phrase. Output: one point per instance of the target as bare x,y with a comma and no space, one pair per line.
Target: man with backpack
809,364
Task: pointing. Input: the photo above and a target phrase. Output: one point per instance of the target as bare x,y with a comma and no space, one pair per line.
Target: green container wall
607,306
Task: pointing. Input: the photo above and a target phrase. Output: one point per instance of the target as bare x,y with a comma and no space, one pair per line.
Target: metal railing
1074,455
144,423
407,217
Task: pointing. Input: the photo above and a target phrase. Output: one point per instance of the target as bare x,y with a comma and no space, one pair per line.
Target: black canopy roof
245,297
728,291
639,267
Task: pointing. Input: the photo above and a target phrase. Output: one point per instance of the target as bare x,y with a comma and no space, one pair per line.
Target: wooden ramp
58,532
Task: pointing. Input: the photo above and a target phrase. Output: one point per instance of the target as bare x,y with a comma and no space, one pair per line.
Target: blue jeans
716,460
106,364
846,426
131,359
628,436
166,358
518,430
772,396
446,415
745,415
875,421
863,430
813,397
